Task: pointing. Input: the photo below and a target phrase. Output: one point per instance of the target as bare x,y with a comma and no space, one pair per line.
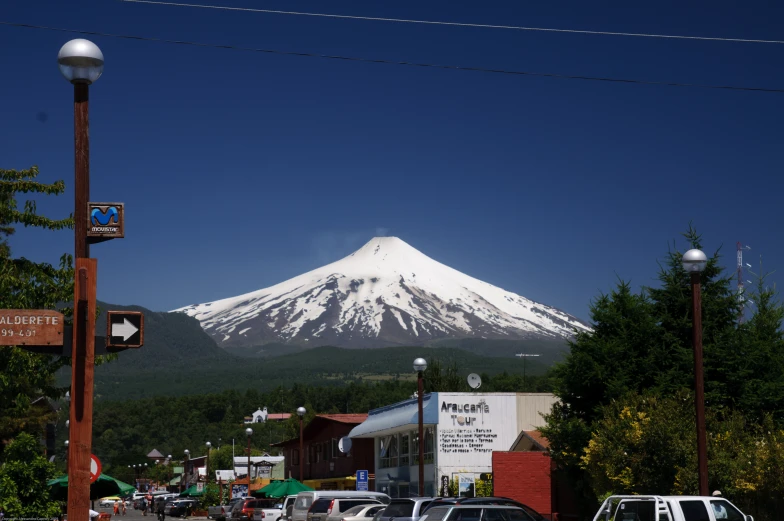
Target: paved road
134,515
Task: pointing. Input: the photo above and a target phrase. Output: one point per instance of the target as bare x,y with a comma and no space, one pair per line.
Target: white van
305,500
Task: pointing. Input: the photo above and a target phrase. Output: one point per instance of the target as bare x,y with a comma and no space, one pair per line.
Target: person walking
144,506
124,506
116,506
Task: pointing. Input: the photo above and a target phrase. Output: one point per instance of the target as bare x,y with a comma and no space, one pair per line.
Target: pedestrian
124,506
116,506
144,506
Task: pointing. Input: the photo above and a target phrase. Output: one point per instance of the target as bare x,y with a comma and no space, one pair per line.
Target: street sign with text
106,220
362,480
125,329
19,327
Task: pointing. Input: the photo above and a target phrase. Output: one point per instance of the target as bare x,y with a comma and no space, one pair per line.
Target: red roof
345,418
279,416
538,438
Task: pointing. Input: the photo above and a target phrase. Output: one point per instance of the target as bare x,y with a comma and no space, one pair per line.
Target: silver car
405,509
361,512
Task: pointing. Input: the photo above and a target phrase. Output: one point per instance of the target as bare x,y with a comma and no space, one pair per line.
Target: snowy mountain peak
385,293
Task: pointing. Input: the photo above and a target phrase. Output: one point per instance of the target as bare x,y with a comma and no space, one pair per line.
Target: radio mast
741,297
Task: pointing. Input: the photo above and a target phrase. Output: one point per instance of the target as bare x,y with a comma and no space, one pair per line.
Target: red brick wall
524,476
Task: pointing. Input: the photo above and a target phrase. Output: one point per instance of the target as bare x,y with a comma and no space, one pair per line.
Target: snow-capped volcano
386,293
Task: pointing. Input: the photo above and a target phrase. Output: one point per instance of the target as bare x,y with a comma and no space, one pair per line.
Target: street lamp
184,477
169,463
420,364
81,63
694,262
301,413
249,433
207,468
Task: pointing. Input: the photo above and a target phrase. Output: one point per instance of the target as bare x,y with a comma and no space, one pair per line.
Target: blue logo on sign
100,217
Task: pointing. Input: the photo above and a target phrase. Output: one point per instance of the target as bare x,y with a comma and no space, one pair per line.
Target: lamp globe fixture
80,61
420,364
694,261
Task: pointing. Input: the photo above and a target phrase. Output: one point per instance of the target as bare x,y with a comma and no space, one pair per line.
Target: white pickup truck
669,508
276,512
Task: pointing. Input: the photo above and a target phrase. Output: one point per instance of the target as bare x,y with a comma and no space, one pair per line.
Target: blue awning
391,418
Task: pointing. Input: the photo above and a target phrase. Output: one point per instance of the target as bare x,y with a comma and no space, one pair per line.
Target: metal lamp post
301,413
184,478
420,364
81,62
169,462
249,433
207,468
694,262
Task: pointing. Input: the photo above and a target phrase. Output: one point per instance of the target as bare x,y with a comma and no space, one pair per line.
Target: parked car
331,509
108,501
362,512
222,512
306,499
268,509
503,501
406,509
244,510
179,507
475,512
669,508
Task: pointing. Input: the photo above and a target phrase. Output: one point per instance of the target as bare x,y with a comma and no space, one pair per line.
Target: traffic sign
106,220
95,468
125,329
40,327
362,480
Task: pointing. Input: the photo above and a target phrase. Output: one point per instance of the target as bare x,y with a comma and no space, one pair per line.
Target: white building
461,432
260,416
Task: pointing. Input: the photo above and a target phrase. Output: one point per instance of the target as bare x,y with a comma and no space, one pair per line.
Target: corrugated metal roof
345,418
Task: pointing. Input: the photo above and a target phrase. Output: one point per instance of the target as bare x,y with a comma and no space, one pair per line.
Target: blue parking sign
362,480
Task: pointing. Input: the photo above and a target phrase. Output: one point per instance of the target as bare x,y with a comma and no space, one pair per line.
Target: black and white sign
125,329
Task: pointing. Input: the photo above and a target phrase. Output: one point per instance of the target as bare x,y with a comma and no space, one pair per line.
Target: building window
405,449
429,446
335,450
318,452
295,457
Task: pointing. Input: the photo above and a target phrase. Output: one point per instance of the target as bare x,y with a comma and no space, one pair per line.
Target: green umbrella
192,491
104,486
285,488
268,490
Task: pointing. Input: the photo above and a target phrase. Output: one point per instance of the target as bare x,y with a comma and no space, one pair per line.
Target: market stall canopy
284,488
104,486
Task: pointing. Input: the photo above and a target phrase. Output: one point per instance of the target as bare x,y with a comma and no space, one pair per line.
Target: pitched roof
538,438
345,418
530,440
154,454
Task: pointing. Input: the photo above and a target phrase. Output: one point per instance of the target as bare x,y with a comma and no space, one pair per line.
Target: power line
402,63
455,24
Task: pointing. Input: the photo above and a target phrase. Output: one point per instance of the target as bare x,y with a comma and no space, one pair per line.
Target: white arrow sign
126,330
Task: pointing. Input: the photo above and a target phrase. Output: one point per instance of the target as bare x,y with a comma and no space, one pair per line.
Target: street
132,514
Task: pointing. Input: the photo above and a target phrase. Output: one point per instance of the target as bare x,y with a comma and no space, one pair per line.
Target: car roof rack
662,511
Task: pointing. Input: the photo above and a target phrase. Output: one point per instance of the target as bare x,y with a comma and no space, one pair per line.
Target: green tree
641,343
23,477
28,285
440,377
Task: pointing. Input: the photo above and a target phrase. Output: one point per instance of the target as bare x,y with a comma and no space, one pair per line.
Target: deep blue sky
240,170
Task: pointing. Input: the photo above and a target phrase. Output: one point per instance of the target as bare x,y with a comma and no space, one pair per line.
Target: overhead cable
401,63
455,24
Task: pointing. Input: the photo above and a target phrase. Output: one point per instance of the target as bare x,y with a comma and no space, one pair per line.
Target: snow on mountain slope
386,293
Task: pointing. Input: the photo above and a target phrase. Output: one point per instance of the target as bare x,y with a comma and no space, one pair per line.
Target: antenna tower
741,298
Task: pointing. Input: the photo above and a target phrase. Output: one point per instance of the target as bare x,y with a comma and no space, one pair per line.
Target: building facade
324,465
461,431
